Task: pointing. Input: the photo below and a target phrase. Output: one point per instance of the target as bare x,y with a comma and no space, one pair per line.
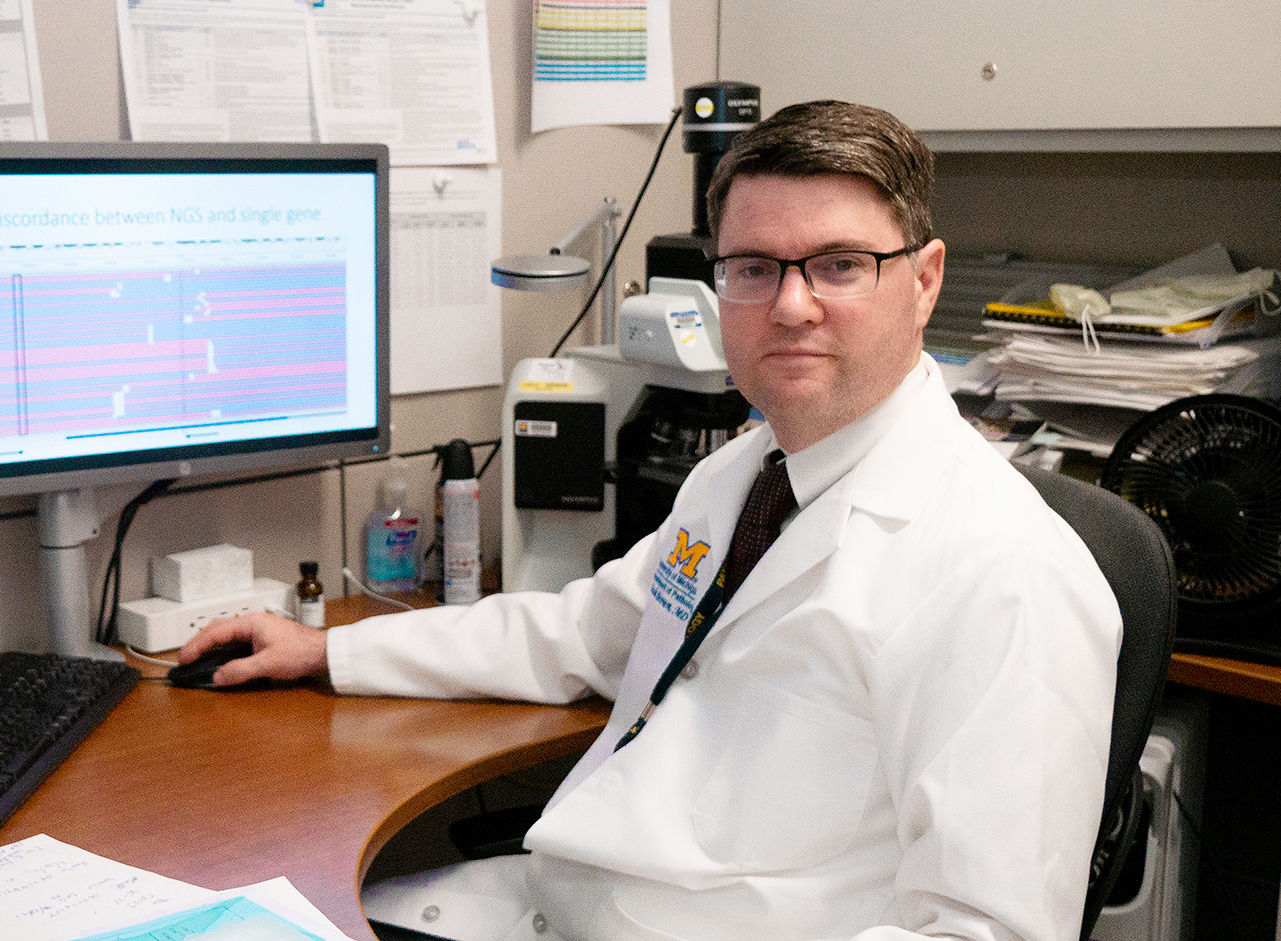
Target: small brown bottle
311,596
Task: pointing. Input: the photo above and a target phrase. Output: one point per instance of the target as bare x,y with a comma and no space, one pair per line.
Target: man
899,723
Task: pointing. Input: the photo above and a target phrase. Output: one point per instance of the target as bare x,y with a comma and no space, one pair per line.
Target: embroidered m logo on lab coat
687,556
675,585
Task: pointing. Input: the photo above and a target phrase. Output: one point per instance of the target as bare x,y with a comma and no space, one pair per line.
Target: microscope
596,444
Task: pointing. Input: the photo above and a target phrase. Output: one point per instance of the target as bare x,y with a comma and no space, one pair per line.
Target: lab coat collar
892,481
811,536
898,474
816,469
807,538
735,477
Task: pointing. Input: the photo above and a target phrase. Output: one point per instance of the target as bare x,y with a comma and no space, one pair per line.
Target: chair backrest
1136,561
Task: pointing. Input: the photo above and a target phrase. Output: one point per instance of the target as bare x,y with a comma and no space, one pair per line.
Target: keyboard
48,705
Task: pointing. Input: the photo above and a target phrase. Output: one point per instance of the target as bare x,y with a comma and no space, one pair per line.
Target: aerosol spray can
460,508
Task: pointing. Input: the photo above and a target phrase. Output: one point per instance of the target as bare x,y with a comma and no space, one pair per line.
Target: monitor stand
65,521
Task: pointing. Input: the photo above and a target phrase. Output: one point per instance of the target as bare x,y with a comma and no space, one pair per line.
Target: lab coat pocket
791,785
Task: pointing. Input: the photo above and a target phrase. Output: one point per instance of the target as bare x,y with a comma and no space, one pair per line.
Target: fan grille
1207,469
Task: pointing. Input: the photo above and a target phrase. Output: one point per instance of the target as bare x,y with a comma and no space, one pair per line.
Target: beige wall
550,181
1140,208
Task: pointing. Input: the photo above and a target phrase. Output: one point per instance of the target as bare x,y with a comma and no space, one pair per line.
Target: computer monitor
182,309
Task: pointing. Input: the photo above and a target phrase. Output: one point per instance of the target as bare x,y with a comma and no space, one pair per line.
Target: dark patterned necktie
759,524
768,504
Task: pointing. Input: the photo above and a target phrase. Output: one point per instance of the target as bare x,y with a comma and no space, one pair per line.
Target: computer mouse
198,674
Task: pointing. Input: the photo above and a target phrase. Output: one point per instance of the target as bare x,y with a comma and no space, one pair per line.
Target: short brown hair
822,137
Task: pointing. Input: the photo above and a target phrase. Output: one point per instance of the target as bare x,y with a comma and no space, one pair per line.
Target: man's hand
283,649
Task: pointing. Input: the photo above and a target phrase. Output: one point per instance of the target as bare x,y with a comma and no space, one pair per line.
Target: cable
142,656
106,632
109,603
257,478
350,576
492,454
609,262
676,113
342,517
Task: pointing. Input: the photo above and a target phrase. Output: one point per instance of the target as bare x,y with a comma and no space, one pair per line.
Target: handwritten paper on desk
51,891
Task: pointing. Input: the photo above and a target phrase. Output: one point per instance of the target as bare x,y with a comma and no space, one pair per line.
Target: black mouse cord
109,606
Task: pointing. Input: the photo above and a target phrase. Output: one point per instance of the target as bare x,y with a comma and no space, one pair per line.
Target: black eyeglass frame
785,263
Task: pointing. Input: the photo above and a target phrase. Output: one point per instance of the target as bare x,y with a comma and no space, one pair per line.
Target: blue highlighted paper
226,920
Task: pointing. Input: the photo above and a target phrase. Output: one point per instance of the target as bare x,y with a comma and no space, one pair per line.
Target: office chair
1137,562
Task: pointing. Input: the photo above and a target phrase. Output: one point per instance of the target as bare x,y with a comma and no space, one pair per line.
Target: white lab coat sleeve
993,717
535,646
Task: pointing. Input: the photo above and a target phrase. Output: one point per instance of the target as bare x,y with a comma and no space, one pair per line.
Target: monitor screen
176,309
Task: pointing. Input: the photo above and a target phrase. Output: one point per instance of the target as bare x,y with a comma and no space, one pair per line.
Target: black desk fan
1207,469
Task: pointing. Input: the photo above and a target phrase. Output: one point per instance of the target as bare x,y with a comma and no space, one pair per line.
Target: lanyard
705,615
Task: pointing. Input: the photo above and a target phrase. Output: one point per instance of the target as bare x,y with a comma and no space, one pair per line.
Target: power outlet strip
154,624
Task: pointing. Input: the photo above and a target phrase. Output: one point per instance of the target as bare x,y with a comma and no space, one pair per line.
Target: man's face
811,366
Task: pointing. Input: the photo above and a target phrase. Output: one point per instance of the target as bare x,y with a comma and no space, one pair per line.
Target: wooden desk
1258,681
226,789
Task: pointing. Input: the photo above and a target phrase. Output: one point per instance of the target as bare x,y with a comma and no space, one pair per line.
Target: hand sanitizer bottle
394,536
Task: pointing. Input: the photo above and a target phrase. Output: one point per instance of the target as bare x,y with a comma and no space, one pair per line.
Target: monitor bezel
313,449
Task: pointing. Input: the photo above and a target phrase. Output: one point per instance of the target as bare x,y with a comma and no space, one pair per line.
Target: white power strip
154,624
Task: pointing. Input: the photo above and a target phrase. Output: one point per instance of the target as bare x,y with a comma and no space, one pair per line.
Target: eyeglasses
755,279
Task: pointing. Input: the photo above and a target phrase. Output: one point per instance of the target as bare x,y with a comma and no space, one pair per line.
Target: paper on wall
609,62
445,315
21,93
413,74
230,71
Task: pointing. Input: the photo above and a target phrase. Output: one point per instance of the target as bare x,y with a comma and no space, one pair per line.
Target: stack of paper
1037,367
52,891
1196,300
1089,362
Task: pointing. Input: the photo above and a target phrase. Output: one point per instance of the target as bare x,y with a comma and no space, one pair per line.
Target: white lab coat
899,724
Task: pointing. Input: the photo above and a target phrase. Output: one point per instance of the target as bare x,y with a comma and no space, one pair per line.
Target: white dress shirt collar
814,469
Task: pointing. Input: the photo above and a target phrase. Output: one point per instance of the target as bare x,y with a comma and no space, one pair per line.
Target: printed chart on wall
194,70
601,62
412,74
21,95
445,318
